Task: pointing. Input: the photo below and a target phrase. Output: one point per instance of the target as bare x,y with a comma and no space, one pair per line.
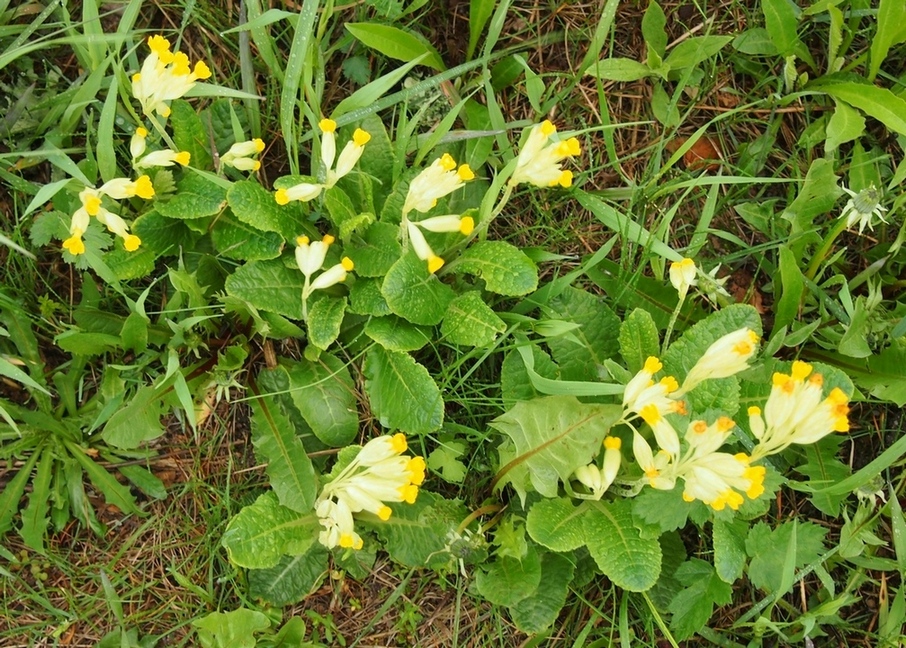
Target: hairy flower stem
672,323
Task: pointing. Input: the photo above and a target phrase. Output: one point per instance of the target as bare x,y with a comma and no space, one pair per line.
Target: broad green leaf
34,517
479,13
626,558
506,270
371,92
269,285
556,524
237,240
135,332
291,579
195,197
377,251
415,294
254,205
402,393
693,606
817,196
189,134
583,350
654,33
880,103
755,42
396,43
845,125
325,395
138,421
365,298
729,539
395,334
540,609
234,629
694,50
471,322
508,580
144,480
417,535
619,69
891,23
289,469
638,339
515,384
262,532
548,438
325,317
780,19
771,549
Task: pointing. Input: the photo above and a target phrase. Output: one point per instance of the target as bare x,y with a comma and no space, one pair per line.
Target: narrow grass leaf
114,492
791,288
396,43
105,152
898,524
479,13
546,385
298,54
891,24
368,94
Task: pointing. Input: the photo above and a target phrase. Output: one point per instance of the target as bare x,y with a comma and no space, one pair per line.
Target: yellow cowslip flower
77,227
641,391
240,155
682,276
797,412
539,161
165,76
349,156
333,275
122,188
421,247
118,226
137,143
310,258
438,224
440,179
729,355
163,158
380,473
664,434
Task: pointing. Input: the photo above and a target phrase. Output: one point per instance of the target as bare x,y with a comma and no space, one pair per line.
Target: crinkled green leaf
547,439
506,270
402,393
190,134
540,609
268,285
277,443
630,560
365,298
471,322
254,205
581,351
376,251
162,235
415,294
262,532
557,524
291,579
508,580
130,265
324,393
195,197
325,316
395,334
237,240
638,339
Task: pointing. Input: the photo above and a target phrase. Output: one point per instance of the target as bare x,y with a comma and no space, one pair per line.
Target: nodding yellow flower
379,474
797,412
682,276
539,161
137,143
310,256
164,158
118,226
440,179
303,192
165,76
729,355
240,156
652,400
122,188
77,228
421,247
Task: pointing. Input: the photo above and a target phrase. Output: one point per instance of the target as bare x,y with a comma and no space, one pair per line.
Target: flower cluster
91,205
380,473
797,411
241,155
539,161
440,179
310,258
349,156
165,76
